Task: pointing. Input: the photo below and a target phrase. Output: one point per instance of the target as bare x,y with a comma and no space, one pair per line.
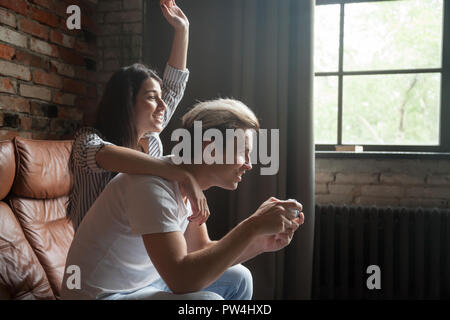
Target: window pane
400,109
326,38
393,35
325,109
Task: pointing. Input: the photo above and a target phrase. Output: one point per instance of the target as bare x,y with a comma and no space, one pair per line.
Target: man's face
228,176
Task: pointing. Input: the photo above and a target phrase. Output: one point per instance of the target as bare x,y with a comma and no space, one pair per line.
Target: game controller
294,212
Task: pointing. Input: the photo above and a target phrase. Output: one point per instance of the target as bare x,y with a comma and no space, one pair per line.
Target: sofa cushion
49,233
39,200
21,275
42,168
7,167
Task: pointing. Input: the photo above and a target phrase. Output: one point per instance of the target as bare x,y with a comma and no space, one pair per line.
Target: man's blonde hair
221,114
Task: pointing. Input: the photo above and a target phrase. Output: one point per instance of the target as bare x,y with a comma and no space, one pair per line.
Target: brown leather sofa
35,235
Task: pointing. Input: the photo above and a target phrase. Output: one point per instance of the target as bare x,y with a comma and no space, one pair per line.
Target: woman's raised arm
177,19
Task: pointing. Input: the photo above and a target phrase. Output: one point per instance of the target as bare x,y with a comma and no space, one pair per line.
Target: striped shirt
88,178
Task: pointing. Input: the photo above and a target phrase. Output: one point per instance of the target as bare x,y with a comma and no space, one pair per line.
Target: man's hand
174,15
278,211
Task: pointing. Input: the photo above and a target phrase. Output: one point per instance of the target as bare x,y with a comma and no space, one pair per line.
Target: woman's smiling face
149,107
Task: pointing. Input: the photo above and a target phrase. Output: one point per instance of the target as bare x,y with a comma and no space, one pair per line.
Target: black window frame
444,132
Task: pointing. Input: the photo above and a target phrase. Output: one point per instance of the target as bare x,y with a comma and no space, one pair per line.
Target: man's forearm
252,251
203,267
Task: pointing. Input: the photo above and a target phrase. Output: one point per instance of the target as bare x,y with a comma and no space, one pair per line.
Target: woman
135,107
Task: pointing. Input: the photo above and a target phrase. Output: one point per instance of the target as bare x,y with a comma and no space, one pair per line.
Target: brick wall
383,182
47,72
120,24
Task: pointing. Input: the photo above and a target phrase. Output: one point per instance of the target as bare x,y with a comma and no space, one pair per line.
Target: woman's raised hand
174,15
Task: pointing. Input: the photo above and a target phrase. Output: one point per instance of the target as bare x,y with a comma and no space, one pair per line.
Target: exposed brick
16,104
377,201
44,109
64,98
40,124
113,53
34,28
47,79
418,192
62,68
111,65
110,29
114,41
74,86
342,188
443,166
43,47
428,192
132,28
43,3
382,191
31,60
58,7
18,6
8,85
321,188
437,192
334,198
111,5
71,56
25,122
6,52
442,179
83,74
10,134
324,177
85,48
7,18
15,70
356,178
89,24
62,39
91,91
47,18
105,76
132,4
85,103
13,37
404,179
11,120
62,125
70,113
34,91
123,16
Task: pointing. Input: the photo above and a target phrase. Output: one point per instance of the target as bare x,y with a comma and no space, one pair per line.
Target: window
382,75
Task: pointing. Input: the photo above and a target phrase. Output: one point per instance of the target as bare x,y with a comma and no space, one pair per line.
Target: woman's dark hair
116,111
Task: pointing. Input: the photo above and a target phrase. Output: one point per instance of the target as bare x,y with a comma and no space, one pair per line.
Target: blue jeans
236,283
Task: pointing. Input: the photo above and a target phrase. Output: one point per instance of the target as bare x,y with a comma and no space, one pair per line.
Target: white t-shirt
108,246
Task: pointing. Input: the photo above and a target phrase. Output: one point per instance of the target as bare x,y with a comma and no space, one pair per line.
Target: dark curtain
260,52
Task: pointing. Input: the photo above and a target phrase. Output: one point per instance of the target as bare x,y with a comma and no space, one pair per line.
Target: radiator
411,247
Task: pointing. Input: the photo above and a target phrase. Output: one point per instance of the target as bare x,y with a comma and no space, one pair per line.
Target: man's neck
199,172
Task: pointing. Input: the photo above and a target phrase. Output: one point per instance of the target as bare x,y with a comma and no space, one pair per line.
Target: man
136,241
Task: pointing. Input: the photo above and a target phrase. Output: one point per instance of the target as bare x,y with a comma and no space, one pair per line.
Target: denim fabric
236,283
